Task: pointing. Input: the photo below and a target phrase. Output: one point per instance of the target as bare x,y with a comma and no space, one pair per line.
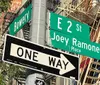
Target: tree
2,80
4,5
9,71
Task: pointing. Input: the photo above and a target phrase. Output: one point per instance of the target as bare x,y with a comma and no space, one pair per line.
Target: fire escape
85,11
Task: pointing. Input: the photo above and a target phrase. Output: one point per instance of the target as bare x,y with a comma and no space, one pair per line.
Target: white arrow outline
69,66
42,58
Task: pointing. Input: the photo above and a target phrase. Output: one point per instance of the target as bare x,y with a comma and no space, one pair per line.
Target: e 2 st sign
40,58
68,26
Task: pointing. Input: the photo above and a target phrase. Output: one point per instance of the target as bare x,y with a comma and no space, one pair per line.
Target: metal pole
37,32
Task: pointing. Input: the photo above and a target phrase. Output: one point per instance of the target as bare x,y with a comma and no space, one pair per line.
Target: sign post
40,58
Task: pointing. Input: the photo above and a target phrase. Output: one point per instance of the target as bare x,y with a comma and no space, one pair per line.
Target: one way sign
40,58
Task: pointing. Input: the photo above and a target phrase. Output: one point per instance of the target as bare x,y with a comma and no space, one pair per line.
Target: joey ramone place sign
40,58
75,45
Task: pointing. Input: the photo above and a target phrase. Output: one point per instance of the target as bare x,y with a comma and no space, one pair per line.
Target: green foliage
2,80
4,5
9,71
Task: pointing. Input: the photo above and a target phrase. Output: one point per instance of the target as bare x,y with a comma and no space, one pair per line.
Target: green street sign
68,26
21,20
72,44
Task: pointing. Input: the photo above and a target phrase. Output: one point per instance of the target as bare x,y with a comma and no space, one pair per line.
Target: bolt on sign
75,45
21,20
69,26
40,58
